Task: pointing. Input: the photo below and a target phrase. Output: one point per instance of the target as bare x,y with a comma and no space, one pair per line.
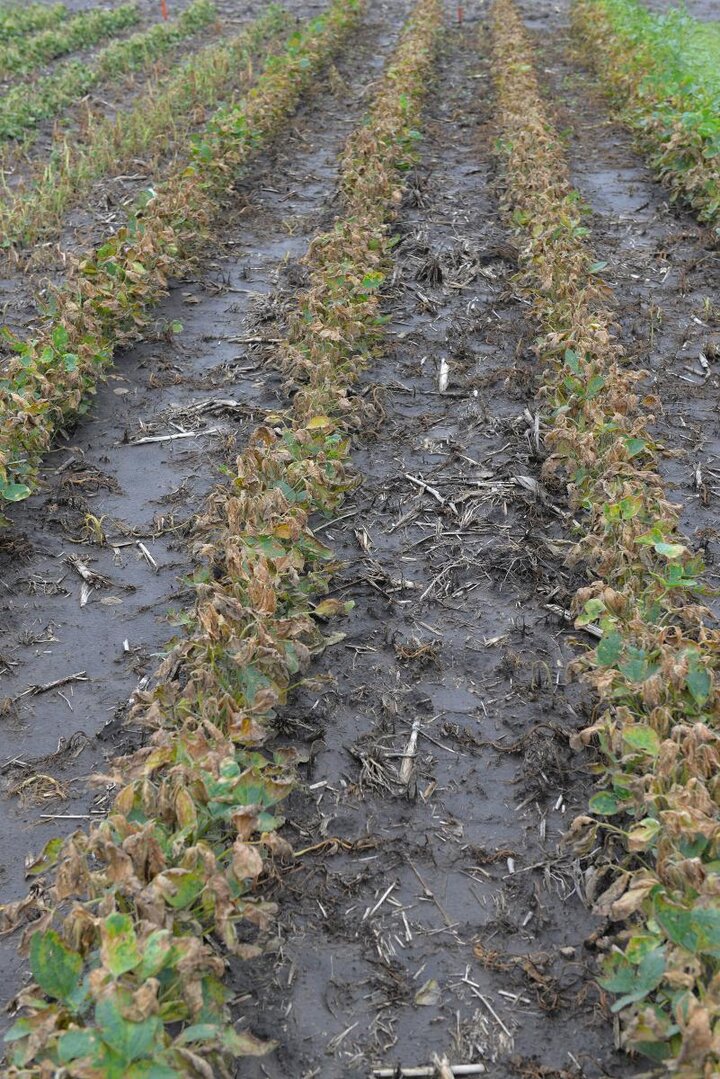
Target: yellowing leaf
185,809
320,423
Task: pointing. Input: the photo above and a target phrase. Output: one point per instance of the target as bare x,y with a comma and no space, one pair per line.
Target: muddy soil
664,269
432,912
431,908
104,494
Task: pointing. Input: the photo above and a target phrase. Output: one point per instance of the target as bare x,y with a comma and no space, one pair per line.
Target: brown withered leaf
147,857
697,1038
630,902
246,861
244,820
144,1002
603,904
279,847
14,915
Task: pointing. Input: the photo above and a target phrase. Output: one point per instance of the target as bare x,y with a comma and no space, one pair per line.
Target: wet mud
94,568
431,908
664,270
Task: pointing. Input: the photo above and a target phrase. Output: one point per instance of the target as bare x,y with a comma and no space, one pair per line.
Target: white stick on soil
410,753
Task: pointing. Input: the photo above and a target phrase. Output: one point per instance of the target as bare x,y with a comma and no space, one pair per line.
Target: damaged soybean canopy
394,455
187,837
655,668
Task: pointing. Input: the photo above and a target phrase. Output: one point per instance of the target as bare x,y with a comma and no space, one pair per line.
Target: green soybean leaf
198,1032
129,1040
636,667
677,923
572,361
621,976
594,386
14,492
648,976
186,887
149,1069
77,1043
119,944
21,1029
706,924
657,1051
640,945
630,507
693,846
605,803
55,967
635,446
592,610
158,952
642,738
609,649
698,681
60,338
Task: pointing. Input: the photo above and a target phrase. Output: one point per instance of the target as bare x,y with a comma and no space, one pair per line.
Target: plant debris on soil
359,657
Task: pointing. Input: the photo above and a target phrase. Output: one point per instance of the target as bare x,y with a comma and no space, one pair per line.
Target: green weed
86,28
25,106
664,71
16,20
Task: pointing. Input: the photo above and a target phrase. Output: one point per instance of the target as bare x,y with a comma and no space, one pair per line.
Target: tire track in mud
407,856
209,380
665,273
